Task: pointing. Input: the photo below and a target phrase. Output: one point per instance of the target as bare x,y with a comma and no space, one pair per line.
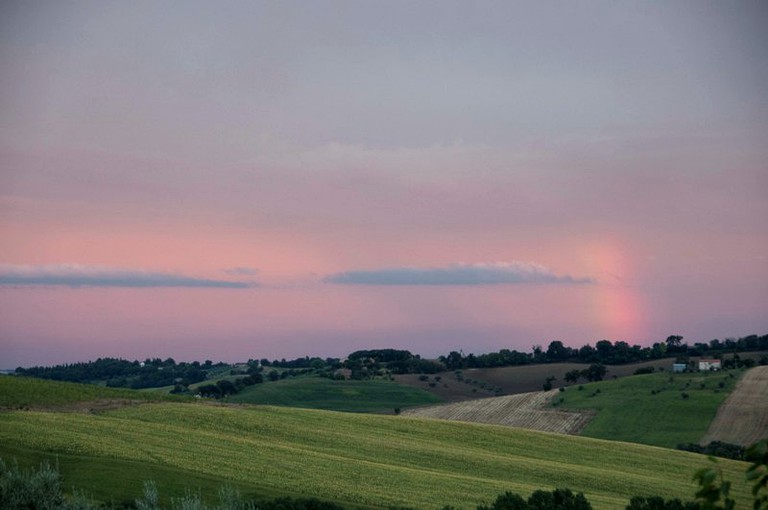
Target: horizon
341,357
267,180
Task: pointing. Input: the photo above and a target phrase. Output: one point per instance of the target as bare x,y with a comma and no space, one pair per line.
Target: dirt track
743,417
525,410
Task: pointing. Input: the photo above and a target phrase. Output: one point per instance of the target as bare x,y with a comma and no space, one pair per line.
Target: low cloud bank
73,275
456,274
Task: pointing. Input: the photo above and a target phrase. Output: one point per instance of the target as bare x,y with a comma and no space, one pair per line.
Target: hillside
659,409
321,393
473,383
368,460
470,383
525,410
743,417
18,392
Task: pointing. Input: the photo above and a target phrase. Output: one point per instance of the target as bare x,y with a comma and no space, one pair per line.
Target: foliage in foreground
558,499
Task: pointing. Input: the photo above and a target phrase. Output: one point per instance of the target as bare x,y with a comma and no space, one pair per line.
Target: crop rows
526,410
364,459
743,417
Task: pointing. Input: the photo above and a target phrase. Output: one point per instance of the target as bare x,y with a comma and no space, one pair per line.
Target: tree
558,499
659,503
572,376
674,342
557,351
595,372
507,501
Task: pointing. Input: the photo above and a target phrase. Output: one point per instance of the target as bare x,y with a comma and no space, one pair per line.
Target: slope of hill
743,417
659,409
322,393
18,392
525,410
368,460
656,409
481,382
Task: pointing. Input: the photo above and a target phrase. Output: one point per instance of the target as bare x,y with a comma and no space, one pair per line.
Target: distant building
679,367
710,364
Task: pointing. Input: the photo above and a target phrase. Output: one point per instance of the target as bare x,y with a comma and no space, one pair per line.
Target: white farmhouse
709,364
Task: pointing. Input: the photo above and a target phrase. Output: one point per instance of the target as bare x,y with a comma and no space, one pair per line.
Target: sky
231,180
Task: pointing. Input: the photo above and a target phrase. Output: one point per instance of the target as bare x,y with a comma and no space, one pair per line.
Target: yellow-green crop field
365,460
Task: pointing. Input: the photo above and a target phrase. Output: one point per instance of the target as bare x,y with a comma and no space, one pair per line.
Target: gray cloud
456,274
242,271
74,275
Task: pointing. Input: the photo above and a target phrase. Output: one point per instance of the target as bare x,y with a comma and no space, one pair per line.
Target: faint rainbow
619,307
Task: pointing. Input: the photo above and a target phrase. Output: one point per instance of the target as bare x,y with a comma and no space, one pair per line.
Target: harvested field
512,380
743,417
524,410
489,382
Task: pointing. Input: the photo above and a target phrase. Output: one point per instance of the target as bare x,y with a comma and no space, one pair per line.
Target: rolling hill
524,410
658,409
367,396
358,459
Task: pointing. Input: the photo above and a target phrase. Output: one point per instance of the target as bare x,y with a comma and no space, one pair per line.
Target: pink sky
279,180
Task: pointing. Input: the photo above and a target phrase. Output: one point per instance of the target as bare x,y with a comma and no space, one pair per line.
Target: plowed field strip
743,417
525,410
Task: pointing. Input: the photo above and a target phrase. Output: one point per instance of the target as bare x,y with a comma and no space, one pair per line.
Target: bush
716,448
36,490
659,503
558,499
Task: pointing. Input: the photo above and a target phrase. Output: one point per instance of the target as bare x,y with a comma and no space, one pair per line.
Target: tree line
365,364
604,352
117,372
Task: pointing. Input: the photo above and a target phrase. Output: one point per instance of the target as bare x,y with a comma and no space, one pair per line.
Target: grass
22,392
661,409
358,459
371,396
118,482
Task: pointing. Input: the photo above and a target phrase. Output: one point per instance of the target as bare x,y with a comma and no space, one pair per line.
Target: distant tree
557,351
273,375
604,350
587,353
209,390
595,372
572,376
674,343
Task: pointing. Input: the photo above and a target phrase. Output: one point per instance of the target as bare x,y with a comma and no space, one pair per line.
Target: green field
627,410
358,459
371,396
23,392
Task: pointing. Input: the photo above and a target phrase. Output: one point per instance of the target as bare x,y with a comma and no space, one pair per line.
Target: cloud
456,274
74,275
242,271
